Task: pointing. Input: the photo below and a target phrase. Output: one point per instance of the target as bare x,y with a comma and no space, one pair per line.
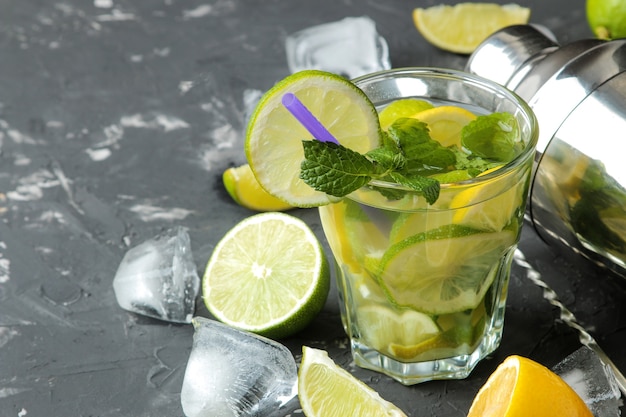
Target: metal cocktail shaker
578,92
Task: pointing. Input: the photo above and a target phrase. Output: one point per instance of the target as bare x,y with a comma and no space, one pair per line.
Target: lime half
325,389
274,137
268,275
445,270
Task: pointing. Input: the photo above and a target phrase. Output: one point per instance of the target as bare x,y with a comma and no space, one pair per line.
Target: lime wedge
274,137
268,275
382,327
247,192
445,270
406,107
325,389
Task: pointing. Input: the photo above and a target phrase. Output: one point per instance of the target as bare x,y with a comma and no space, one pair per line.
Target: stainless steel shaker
578,92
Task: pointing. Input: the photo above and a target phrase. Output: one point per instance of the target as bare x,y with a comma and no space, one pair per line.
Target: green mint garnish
424,155
338,171
408,156
334,169
473,164
493,137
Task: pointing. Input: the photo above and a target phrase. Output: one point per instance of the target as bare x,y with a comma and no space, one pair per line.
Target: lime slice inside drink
444,270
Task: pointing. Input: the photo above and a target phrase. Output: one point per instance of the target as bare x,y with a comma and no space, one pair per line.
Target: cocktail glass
422,287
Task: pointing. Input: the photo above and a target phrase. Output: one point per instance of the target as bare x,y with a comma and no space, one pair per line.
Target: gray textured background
117,119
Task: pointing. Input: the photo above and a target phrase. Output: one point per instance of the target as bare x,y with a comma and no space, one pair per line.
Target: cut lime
490,206
268,275
382,327
274,137
406,107
462,27
445,270
411,224
247,192
325,389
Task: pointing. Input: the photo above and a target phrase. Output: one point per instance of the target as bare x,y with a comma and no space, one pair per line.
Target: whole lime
607,18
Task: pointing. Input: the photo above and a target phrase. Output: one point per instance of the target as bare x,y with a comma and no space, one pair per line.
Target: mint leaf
428,187
474,165
493,136
334,169
386,159
425,155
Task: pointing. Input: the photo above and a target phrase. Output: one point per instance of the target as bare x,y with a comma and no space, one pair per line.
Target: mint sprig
408,155
338,171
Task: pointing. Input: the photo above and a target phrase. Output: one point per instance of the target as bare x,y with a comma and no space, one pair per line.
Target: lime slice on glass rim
325,389
442,271
274,137
268,275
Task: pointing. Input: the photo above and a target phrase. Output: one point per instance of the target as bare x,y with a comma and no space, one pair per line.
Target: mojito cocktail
423,283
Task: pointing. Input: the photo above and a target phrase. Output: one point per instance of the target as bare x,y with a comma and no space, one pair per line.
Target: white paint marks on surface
22,412
31,187
5,269
21,160
114,133
200,11
149,213
116,16
98,155
55,124
158,121
185,86
8,391
103,4
6,334
162,52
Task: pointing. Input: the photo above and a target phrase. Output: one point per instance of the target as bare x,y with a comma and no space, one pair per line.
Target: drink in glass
423,286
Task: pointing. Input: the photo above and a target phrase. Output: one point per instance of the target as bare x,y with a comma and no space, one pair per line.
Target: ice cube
593,381
158,278
350,47
231,373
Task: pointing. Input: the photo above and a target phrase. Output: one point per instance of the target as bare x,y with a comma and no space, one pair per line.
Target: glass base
456,367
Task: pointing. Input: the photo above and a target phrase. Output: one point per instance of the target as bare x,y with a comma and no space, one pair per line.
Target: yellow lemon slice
445,123
461,28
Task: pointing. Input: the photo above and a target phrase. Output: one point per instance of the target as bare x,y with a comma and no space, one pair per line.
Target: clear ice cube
593,381
350,47
235,373
158,278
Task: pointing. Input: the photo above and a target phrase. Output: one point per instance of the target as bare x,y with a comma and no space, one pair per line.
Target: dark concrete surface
117,119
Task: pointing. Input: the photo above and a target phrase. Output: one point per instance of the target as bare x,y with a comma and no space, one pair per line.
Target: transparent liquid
423,287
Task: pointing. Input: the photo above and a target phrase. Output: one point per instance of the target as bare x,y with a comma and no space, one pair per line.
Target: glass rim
481,82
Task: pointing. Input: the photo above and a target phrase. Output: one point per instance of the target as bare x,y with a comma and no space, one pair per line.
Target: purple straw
306,118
